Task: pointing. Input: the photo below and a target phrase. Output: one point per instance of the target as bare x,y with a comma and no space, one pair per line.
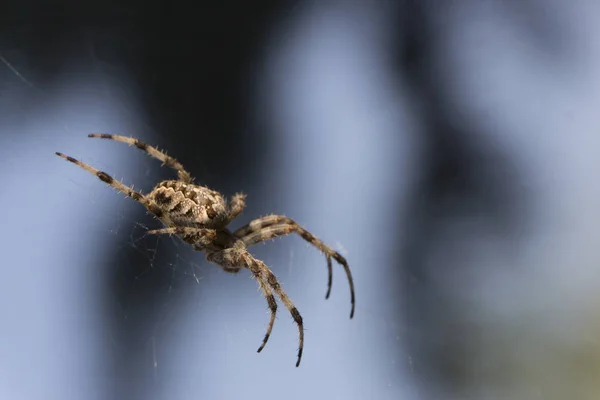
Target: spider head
186,204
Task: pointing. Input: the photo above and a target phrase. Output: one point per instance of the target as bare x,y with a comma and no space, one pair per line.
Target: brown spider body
199,216
186,204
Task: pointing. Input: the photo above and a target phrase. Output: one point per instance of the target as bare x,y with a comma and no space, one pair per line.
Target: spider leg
266,277
272,226
126,190
200,237
151,151
231,260
104,177
236,205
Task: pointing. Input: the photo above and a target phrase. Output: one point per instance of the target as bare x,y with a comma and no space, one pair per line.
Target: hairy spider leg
126,190
236,205
266,277
272,226
151,151
232,260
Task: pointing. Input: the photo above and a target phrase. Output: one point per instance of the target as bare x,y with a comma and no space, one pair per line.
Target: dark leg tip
100,135
265,340
329,277
66,157
299,358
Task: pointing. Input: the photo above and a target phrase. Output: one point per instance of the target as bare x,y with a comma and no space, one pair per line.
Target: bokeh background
450,150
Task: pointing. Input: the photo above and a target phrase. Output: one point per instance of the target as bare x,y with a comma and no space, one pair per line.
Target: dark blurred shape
191,62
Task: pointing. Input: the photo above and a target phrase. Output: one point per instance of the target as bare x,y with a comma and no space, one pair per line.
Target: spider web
159,269
360,358
143,259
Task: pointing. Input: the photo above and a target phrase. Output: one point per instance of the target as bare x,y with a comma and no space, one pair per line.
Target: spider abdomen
186,204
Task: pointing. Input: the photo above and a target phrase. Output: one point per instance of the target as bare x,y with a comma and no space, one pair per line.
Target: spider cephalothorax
200,216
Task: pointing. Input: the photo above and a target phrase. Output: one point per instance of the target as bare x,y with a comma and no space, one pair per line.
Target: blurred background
449,150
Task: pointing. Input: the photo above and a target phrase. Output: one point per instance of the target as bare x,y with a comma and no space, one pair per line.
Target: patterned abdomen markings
189,205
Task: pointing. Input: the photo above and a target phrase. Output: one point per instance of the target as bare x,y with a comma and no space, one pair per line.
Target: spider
199,216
